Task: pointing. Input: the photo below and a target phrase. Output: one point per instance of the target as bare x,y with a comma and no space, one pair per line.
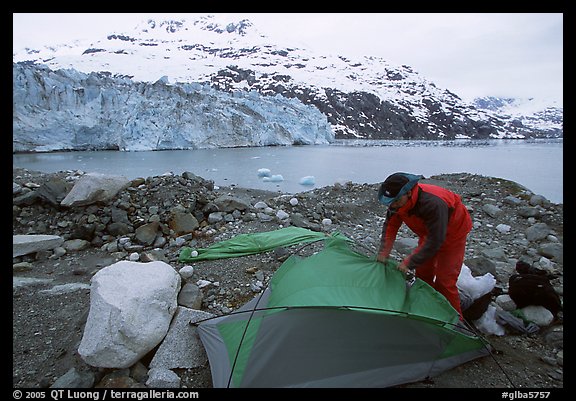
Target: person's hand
403,267
381,259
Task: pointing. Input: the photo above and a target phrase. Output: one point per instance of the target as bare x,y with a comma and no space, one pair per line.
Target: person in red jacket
439,219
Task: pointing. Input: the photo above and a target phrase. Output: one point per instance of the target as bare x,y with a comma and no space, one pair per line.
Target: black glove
410,277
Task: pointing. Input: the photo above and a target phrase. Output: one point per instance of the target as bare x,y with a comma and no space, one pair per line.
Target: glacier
70,110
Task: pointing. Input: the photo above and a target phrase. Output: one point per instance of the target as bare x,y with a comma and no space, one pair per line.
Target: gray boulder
95,187
23,244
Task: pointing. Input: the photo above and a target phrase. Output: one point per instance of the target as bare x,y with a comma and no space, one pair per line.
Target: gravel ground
48,325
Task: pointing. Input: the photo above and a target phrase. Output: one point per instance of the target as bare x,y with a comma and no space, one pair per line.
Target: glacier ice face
70,110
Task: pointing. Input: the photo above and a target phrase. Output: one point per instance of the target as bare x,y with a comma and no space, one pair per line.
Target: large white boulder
131,307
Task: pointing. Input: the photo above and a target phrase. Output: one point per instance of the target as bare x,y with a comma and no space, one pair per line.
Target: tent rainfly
335,319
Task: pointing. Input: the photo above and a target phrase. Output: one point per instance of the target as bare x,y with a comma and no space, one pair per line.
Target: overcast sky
471,54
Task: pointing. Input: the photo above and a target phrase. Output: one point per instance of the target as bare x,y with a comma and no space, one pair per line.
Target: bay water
534,164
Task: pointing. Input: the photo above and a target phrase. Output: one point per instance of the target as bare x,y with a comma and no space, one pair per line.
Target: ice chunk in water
308,180
264,172
274,178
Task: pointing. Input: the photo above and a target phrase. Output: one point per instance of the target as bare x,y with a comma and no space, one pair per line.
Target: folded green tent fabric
249,244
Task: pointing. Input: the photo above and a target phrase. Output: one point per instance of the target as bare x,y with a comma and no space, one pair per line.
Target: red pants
442,271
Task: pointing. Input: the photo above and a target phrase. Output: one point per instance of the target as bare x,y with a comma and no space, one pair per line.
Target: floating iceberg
274,178
264,172
308,180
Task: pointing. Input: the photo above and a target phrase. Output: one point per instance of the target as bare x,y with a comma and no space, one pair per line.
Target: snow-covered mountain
531,113
174,61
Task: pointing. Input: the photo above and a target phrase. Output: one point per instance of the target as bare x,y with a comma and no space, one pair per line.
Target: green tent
337,319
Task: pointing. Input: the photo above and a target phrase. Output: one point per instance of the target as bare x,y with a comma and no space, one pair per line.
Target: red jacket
435,214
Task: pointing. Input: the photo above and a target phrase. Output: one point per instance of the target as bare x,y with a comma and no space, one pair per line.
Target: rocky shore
152,219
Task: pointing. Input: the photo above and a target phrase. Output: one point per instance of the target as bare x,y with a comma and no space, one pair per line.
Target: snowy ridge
192,52
362,98
538,114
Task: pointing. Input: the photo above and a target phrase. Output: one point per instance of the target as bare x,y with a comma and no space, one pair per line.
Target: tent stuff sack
337,319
